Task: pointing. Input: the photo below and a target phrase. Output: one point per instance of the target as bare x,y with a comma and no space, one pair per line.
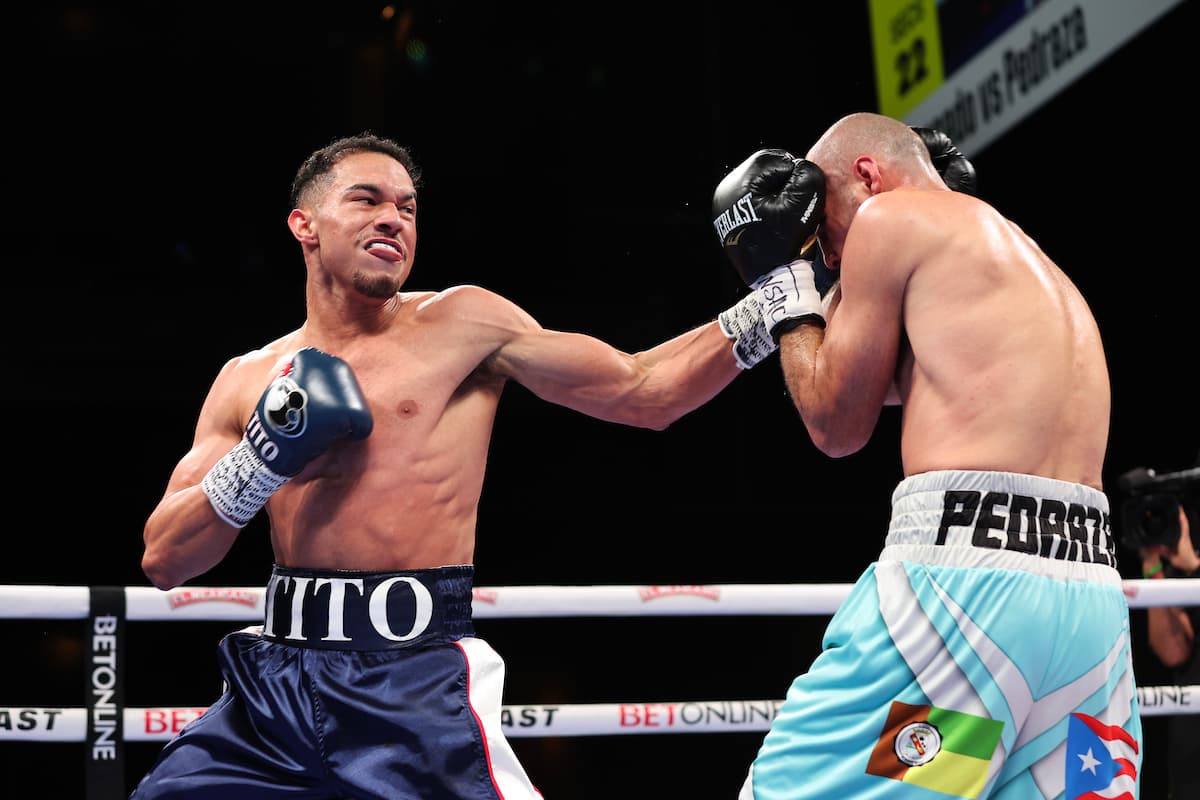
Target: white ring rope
20,723
508,602
161,723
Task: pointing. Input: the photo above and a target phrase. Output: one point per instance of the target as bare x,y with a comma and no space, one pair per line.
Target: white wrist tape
240,484
743,323
788,293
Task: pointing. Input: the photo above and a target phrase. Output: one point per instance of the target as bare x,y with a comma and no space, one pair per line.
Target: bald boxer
364,434
985,653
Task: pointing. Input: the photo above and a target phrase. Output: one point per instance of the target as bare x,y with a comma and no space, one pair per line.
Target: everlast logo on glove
739,214
766,212
783,196
742,213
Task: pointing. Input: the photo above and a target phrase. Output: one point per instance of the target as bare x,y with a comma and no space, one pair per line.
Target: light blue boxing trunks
357,685
985,654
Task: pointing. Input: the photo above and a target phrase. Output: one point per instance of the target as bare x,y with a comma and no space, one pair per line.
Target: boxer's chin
378,286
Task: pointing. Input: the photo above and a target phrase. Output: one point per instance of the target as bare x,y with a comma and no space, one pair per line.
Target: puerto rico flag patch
1101,760
935,748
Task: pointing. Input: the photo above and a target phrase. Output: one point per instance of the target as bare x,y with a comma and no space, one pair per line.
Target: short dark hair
321,162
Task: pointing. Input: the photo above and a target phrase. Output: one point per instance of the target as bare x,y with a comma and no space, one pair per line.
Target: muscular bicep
570,369
862,341
650,388
830,304
853,368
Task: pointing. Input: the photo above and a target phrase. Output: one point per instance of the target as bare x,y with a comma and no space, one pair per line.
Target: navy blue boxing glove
311,405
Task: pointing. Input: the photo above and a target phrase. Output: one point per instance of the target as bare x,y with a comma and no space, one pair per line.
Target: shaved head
863,154
888,140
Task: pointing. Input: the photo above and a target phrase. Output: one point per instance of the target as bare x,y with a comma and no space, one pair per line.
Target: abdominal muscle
406,497
393,527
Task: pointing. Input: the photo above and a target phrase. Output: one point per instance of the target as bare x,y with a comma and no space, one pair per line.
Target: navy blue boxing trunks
356,685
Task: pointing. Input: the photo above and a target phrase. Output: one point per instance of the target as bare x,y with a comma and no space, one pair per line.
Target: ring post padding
105,742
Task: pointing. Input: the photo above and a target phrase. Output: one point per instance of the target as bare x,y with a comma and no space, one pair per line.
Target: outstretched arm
655,387
648,389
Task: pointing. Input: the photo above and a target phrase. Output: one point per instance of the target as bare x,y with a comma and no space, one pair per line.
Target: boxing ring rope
510,602
99,721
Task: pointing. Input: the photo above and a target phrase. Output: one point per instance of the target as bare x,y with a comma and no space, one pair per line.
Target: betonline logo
732,714
104,688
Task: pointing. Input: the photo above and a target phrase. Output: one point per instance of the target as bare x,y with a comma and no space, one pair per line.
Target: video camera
1151,502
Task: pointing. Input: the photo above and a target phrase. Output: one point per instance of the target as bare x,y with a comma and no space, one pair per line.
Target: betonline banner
943,65
105,693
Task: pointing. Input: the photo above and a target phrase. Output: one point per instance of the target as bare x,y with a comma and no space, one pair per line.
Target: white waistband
929,484
1027,515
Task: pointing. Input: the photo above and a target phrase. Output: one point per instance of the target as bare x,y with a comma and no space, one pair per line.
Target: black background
569,153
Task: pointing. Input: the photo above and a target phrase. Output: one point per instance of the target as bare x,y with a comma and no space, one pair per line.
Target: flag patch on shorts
935,748
1101,760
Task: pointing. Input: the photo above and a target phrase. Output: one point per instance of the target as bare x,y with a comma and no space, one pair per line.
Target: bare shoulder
271,358
467,296
902,210
242,378
892,233
470,303
904,228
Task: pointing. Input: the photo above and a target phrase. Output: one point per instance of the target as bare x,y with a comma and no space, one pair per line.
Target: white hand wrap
788,294
240,484
743,323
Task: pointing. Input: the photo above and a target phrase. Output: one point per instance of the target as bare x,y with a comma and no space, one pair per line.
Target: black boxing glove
766,212
951,164
312,404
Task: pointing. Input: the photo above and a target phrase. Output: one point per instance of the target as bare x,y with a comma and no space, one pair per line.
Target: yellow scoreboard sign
908,53
975,70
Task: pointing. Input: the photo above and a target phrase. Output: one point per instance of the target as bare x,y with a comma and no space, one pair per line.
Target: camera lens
1152,520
